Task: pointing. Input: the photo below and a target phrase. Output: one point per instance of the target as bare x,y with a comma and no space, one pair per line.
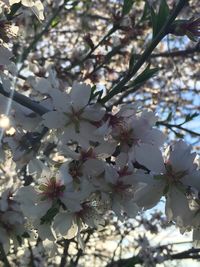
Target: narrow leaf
127,6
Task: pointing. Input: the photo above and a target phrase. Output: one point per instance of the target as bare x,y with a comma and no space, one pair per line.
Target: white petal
54,119
154,137
111,174
177,207
150,156
93,167
80,95
45,232
62,222
131,209
64,175
5,56
149,194
72,231
181,157
105,149
93,113
61,100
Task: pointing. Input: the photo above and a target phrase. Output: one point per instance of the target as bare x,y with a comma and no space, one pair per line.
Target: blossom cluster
103,160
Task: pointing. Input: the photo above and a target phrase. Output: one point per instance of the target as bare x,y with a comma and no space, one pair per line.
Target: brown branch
65,253
24,101
178,53
171,126
193,253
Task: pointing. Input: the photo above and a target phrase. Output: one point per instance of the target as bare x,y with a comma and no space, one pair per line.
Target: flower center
173,177
52,189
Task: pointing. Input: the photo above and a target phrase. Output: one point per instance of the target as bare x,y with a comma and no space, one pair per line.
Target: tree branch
39,35
24,101
146,54
193,253
171,126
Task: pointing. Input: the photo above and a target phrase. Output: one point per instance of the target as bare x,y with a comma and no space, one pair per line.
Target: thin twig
178,126
39,35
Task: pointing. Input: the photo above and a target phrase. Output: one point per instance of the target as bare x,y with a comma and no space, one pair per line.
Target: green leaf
145,75
146,12
50,214
19,239
158,19
95,93
55,22
158,177
166,189
190,117
179,135
13,10
169,117
127,6
131,61
154,21
132,261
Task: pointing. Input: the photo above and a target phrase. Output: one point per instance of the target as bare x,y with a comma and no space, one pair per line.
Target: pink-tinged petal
80,95
62,223
55,119
150,157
